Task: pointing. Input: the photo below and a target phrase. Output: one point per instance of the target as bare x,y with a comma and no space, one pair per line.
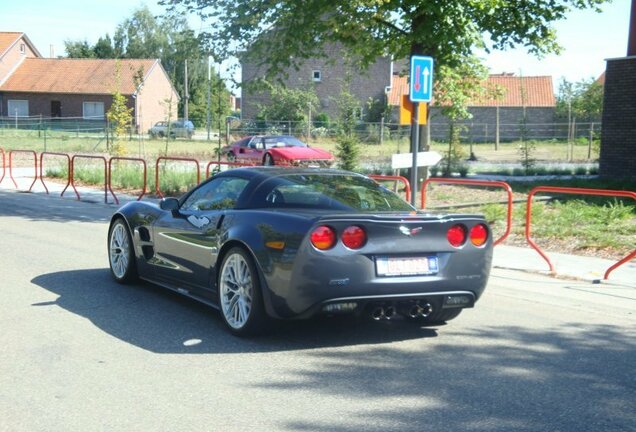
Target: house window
18,108
316,76
22,48
94,110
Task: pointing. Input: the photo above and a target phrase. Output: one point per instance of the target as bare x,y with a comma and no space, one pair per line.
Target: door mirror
169,204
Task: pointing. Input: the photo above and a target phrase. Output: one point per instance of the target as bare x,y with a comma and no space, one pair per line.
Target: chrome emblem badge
409,231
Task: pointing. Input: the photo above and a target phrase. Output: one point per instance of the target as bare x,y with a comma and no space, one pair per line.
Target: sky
588,38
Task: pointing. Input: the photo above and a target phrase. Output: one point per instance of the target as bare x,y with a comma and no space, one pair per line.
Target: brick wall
618,137
365,84
156,99
72,105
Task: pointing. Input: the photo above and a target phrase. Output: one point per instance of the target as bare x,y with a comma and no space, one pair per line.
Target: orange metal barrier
489,183
407,185
103,159
4,166
575,191
166,158
110,175
68,170
35,161
219,164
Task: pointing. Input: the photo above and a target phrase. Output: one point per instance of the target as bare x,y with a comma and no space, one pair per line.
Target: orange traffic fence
35,166
400,179
575,191
103,159
4,166
489,183
110,175
166,158
69,169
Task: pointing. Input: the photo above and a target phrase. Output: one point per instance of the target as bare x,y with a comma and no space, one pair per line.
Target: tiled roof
81,76
7,39
538,91
399,87
601,79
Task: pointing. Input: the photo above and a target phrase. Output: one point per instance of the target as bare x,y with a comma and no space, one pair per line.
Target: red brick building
82,88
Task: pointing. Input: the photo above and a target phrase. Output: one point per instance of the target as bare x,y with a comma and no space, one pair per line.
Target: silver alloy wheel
119,250
236,291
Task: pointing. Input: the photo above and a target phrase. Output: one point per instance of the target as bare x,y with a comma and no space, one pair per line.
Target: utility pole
186,92
219,119
209,91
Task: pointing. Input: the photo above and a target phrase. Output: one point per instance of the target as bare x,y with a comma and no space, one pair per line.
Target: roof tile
83,76
7,39
537,91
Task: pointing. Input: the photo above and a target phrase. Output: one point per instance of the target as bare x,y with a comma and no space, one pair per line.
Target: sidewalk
505,257
94,194
567,266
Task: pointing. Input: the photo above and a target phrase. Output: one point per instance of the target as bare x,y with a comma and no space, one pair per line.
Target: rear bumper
401,302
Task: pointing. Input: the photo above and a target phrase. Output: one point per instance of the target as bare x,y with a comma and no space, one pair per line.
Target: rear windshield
331,191
283,141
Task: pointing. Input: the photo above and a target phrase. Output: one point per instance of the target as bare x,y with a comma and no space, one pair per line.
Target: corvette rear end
417,266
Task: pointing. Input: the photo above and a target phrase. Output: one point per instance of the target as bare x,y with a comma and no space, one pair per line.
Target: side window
218,194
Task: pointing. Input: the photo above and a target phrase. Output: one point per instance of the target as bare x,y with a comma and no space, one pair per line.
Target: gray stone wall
618,138
481,127
333,70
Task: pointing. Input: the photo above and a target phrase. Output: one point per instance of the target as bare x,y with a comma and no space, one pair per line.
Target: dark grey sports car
266,242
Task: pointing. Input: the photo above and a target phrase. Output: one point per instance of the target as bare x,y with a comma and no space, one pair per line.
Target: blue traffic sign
421,79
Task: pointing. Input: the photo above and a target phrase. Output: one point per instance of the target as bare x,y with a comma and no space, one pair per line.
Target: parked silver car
174,129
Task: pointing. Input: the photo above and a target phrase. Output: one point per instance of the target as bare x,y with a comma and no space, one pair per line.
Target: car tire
240,296
231,157
161,134
121,255
268,160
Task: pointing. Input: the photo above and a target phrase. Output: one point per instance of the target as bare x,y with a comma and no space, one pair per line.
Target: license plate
406,266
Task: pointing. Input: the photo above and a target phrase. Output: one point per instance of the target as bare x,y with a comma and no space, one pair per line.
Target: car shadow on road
161,321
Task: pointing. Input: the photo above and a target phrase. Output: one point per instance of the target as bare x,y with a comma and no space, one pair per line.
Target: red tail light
478,234
456,235
354,237
323,237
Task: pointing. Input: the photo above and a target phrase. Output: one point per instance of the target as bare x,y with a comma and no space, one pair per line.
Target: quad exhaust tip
387,312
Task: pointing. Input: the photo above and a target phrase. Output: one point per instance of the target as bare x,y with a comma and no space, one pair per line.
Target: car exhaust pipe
420,311
426,310
414,311
377,313
389,312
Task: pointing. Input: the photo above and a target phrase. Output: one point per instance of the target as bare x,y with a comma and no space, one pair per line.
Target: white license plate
406,266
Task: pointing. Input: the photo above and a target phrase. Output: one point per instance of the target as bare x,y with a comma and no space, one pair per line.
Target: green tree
347,143
456,87
119,116
104,49
285,33
289,104
78,49
582,100
169,39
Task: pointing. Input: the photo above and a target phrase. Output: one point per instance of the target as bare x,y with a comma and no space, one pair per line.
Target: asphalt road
81,353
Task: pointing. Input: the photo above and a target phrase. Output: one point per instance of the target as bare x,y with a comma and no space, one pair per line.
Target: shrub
347,150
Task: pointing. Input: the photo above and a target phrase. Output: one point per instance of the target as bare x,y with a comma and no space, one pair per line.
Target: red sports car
277,150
